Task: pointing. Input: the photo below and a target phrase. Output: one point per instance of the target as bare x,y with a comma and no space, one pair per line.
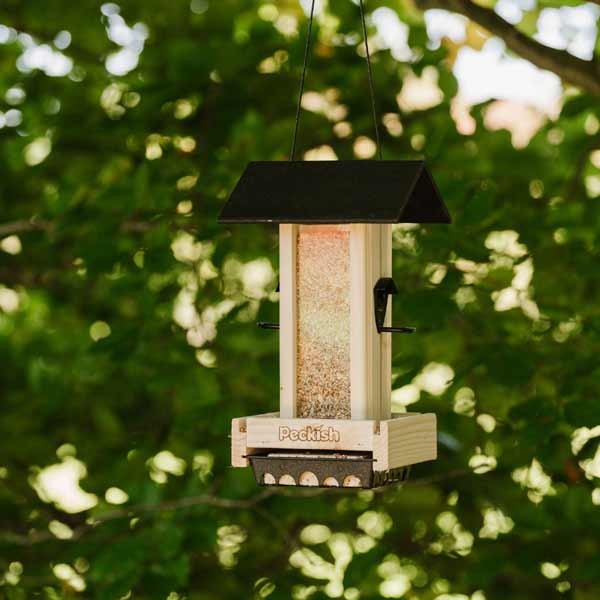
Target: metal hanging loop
370,73
303,79
304,67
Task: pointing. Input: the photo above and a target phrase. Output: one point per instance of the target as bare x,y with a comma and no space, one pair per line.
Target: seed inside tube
323,309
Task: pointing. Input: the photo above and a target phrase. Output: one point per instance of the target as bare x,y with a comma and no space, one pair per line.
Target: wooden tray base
332,452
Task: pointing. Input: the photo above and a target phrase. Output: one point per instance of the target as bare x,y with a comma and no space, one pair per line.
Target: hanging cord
304,66
303,78
371,89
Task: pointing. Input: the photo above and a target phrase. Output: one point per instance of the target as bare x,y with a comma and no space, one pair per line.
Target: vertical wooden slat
287,320
238,442
371,348
385,339
372,256
370,352
359,390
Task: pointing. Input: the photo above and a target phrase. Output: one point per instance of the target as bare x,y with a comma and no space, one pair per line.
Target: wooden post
360,388
370,259
287,320
385,339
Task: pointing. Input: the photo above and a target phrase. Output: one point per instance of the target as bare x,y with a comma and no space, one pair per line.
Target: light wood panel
361,357
385,339
287,319
403,440
238,443
370,351
309,434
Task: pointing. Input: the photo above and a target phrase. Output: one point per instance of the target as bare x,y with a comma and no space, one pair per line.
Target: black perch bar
264,325
384,288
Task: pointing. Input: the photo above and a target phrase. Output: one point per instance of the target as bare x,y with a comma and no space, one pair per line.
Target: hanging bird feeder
334,427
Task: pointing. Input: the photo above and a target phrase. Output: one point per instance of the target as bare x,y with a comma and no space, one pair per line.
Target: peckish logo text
309,434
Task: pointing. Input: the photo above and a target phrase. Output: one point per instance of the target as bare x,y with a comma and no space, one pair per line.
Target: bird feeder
334,426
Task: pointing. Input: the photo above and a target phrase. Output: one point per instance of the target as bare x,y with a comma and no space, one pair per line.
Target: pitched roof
352,191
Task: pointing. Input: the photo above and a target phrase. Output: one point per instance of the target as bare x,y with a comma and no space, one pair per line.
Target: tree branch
23,226
127,513
580,73
252,503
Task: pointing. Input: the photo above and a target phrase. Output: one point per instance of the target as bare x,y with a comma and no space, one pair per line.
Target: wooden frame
405,439
370,351
287,319
385,339
361,381
333,360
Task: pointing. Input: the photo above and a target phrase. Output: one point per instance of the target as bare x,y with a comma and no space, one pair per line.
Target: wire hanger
303,78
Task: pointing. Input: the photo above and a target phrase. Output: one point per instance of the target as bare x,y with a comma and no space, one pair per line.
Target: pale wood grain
287,319
238,442
406,440
370,351
309,434
385,339
359,377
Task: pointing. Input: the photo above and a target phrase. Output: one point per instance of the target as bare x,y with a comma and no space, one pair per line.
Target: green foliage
127,336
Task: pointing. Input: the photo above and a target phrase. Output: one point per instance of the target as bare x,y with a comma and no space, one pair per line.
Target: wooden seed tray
381,448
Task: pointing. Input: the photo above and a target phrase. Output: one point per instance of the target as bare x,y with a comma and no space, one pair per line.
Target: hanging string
304,66
303,78
371,89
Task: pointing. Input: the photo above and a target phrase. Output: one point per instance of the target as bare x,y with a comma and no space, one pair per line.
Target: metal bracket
385,287
264,325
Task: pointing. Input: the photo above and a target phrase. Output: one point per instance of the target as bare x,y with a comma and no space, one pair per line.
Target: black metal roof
351,191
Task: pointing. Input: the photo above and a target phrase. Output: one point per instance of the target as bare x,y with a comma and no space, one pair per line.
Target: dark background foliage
127,336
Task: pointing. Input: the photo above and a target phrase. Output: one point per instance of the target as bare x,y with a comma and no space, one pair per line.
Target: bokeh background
127,315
